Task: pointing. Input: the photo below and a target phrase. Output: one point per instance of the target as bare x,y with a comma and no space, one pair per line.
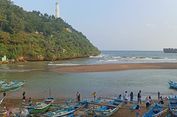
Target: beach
113,67
124,111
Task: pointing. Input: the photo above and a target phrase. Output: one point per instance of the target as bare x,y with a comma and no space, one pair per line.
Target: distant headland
33,36
170,50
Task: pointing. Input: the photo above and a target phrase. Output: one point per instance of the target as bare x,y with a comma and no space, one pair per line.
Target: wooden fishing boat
155,111
105,111
13,85
66,110
61,113
49,100
172,84
173,105
40,107
109,107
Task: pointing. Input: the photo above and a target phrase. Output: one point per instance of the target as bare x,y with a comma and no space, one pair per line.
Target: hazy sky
117,24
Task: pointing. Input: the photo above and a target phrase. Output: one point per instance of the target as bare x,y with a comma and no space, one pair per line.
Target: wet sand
113,67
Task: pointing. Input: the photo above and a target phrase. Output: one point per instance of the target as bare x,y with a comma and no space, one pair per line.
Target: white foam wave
99,56
63,64
134,59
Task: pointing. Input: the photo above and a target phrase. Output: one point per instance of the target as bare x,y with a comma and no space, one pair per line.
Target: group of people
78,96
148,100
8,112
126,97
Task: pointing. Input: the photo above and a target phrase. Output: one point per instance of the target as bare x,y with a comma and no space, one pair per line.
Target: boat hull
173,105
42,110
155,111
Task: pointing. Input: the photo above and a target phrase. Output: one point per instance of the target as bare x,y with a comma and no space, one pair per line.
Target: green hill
36,36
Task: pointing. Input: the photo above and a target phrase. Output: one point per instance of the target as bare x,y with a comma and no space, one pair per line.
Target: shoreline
113,67
124,111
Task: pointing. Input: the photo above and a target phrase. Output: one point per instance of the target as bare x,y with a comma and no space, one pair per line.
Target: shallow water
39,79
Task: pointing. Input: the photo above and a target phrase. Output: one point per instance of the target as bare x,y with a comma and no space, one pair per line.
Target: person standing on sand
158,95
120,96
24,97
147,102
94,95
161,100
7,113
4,94
78,96
139,97
131,96
30,101
126,97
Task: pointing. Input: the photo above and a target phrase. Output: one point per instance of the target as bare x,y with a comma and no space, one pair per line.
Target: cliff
35,36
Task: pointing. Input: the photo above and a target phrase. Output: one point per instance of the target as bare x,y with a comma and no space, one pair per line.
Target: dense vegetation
36,36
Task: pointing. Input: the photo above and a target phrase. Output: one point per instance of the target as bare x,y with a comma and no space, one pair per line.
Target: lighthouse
57,10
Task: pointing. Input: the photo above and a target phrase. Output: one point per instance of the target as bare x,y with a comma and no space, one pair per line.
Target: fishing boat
66,110
105,111
13,85
173,105
40,107
49,100
155,111
108,107
172,84
61,112
2,82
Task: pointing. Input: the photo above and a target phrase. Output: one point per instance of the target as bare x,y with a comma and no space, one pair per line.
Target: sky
117,24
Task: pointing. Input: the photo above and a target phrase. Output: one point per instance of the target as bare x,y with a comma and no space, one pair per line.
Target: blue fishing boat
40,107
66,110
105,111
172,84
61,112
173,105
49,100
155,111
107,107
13,85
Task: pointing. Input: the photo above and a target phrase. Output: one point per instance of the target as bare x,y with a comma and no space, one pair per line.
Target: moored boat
172,84
40,107
105,111
66,110
49,100
107,107
61,112
173,105
13,85
155,111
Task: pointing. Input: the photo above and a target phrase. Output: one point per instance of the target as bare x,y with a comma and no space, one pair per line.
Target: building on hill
57,10
4,58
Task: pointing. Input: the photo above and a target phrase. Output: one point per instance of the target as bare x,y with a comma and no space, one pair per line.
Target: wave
135,59
99,56
63,64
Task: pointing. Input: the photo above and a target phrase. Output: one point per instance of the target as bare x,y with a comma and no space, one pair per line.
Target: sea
41,81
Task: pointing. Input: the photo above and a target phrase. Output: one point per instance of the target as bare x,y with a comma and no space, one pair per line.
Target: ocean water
107,57
39,78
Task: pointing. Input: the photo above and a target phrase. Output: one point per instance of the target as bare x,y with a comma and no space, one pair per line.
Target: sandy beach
113,67
124,111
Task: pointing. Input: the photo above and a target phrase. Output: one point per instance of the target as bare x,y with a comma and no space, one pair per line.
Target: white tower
57,10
